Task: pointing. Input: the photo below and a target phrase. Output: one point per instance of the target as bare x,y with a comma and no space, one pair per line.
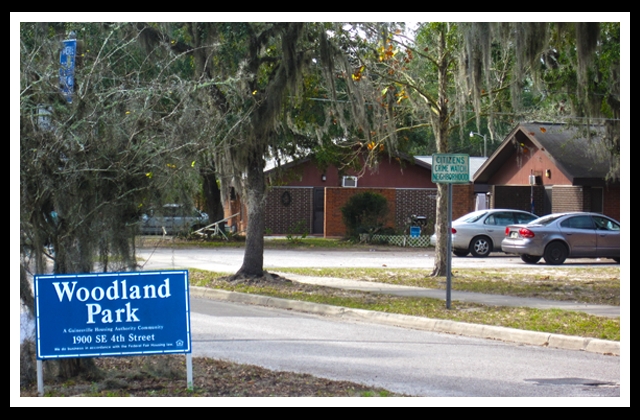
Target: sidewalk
486,299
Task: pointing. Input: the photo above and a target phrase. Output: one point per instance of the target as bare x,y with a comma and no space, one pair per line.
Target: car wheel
555,253
460,253
530,259
481,247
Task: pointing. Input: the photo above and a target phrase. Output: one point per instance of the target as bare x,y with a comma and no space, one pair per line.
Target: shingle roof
565,145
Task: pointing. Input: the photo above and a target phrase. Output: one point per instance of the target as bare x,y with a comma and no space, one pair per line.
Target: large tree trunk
26,292
440,121
255,193
212,196
442,232
72,255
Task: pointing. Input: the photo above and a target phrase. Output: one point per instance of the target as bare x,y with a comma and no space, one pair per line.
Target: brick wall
402,202
563,199
569,198
336,198
464,200
419,202
289,210
612,202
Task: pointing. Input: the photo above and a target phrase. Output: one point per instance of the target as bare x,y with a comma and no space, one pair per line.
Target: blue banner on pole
112,314
67,68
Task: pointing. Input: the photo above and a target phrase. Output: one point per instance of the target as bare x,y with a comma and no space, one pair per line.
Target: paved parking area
230,260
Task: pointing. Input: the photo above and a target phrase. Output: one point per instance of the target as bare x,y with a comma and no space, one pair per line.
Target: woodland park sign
112,314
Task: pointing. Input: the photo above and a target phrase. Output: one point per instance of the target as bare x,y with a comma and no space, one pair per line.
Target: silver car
481,232
172,219
559,236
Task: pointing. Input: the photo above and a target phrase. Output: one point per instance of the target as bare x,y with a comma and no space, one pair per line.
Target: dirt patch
267,279
165,376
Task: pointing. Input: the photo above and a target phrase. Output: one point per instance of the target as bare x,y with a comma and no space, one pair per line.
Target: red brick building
552,168
539,167
303,198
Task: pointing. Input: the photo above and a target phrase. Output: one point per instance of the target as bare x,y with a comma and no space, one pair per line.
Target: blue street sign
67,68
112,314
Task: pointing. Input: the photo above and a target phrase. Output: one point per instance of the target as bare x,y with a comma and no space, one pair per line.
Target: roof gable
565,146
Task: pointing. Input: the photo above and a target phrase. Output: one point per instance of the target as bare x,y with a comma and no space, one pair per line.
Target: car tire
481,247
555,253
460,253
530,259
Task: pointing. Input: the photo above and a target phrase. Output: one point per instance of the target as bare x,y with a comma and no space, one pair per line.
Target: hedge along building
551,168
305,199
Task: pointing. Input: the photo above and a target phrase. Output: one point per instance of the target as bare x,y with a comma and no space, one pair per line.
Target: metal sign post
450,169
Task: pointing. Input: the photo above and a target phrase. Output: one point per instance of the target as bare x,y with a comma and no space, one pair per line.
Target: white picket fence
399,240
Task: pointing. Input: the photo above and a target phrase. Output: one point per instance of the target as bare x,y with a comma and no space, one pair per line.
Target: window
524,218
499,219
349,181
579,222
603,223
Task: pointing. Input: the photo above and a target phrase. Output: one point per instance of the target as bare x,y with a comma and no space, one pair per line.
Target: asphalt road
413,362
407,361
230,260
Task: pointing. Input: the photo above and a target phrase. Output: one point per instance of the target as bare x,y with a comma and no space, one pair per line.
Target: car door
151,223
580,233
607,237
172,219
495,224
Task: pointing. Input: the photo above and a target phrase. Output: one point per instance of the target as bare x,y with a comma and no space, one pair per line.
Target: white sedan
481,232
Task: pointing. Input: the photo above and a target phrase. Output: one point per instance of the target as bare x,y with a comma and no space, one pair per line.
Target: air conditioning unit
349,181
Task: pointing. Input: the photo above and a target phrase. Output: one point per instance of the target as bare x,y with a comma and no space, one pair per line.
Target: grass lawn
551,321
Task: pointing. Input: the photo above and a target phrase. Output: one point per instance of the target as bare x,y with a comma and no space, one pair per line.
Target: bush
365,213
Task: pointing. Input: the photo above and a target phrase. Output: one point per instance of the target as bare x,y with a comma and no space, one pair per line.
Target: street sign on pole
449,169
67,68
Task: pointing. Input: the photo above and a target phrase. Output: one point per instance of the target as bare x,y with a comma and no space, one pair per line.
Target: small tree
365,213
87,166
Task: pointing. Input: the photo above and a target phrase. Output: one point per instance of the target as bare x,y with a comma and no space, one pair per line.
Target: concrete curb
510,335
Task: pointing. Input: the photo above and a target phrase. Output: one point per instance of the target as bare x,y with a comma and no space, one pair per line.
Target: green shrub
365,213
297,233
